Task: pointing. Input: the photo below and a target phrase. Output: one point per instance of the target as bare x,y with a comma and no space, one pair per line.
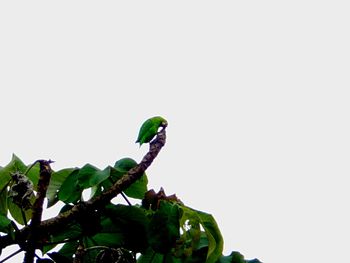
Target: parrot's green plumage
150,128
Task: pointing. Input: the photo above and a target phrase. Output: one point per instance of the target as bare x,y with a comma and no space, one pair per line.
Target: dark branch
123,183
43,183
56,223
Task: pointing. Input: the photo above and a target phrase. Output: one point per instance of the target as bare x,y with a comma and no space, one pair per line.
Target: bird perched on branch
149,129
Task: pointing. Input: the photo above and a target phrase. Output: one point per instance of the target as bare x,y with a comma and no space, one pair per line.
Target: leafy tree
159,228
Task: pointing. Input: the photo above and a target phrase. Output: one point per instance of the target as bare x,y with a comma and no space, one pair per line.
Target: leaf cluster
157,228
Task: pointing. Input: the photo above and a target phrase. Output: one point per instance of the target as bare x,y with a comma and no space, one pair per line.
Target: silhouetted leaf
44,260
69,249
164,227
236,257
70,232
90,175
3,201
150,256
58,258
131,223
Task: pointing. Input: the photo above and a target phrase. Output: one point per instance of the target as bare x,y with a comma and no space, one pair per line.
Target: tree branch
43,183
101,200
61,220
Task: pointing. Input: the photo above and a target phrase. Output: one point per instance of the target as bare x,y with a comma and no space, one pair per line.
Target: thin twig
125,198
122,193
13,254
100,247
24,217
30,167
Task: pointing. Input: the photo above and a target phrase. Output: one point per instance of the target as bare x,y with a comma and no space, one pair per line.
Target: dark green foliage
165,227
236,257
65,254
58,258
57,179
133,225
15,165
44,260
70,192
162,230
76,180
5,224
3,201
137,189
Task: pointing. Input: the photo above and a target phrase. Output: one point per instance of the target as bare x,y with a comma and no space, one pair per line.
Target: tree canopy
159,228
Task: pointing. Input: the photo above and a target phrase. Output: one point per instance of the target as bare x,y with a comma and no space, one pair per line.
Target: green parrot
150,128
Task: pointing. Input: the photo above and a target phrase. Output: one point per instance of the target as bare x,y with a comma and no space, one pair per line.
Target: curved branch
56,223
123,183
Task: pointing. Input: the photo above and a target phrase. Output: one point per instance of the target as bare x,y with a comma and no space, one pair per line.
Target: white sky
256,94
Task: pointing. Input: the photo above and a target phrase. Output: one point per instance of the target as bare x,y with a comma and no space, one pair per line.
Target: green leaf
69,249
47,248
15,165
236,257
150,128
33,174
136,190
91,254
212,233
130,223
58,258
190,225
3,201
57,179
65,254
90,175
201,252
70,231
108,239
80,179
194,244
150,256
255,260
5,224
214,236
84,175
164,227
70,191
95,191
16,212
125,164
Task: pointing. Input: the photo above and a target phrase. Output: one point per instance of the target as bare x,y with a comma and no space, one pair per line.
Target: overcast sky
256,94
